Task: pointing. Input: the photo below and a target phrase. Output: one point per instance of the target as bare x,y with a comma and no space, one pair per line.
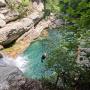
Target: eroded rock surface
14,30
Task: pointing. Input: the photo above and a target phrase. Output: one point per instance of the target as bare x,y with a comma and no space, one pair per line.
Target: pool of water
35,68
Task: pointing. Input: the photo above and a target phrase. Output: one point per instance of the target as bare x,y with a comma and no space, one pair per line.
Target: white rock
2,16
1,47
2,23
4,10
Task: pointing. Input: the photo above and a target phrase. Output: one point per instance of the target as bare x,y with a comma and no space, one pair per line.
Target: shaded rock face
1,56
84,56
2,3
11,78
27,84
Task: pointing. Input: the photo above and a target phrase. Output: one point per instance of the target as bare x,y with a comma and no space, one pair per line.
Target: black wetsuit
43,57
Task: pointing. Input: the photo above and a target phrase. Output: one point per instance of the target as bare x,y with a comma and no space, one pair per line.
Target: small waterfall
19,62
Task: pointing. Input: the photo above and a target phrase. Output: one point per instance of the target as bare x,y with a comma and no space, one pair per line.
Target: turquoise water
33,53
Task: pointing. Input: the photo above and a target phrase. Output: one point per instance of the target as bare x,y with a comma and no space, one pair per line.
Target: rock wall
24,30
84,57
11,28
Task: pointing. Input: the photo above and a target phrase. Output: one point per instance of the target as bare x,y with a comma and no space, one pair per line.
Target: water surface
33,54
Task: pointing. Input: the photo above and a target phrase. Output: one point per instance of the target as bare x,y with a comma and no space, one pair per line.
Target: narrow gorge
44,45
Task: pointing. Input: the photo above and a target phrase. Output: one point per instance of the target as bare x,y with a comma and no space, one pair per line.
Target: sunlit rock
2,23
2,16
1,47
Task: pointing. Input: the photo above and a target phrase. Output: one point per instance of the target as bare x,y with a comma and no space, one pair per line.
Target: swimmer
43,57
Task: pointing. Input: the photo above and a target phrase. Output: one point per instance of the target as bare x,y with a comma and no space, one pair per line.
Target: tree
64,66
62,60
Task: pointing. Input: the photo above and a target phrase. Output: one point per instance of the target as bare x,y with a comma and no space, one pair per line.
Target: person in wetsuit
43,57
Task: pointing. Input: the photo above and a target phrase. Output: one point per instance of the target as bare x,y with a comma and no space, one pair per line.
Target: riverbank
17,34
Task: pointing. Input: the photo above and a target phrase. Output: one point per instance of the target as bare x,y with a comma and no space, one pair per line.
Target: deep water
35,68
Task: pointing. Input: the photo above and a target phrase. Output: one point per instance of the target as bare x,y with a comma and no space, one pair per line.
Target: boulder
38,5
83,54
11,16
2,16
11,78
2,3
4,10
84,57
86,50
1,47
14,30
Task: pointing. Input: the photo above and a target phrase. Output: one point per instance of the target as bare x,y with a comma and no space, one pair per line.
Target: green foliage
25,2
77,16
52,5
62,63
19,6
62,60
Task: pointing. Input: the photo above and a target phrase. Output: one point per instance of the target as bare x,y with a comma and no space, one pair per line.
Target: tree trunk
57,80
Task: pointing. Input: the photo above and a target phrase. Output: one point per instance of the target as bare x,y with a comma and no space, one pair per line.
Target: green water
35,68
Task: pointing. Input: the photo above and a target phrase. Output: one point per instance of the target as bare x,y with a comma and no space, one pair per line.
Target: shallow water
35,68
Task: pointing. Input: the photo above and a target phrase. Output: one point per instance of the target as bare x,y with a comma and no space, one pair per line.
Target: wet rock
11,78
2,3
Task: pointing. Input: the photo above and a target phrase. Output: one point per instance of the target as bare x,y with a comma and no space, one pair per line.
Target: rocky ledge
11,78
